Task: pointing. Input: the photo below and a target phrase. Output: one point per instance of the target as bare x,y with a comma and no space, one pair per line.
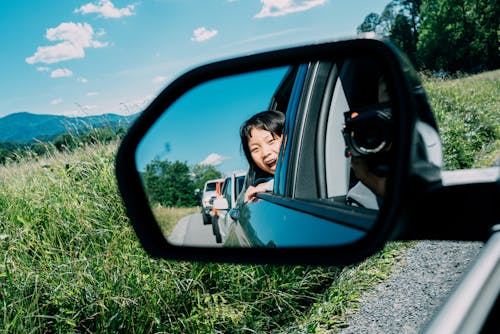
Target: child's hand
252,191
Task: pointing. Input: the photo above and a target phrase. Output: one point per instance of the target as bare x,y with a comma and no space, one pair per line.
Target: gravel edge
418,286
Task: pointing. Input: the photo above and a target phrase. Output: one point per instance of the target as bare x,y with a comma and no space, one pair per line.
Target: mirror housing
410,175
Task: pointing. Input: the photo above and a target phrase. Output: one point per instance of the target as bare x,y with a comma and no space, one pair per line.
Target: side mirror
221,204
359,146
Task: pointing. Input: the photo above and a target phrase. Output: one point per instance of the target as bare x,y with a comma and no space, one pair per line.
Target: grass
468,113
167,217
70,262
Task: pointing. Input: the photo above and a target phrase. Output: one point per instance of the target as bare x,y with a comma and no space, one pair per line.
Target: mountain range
25,127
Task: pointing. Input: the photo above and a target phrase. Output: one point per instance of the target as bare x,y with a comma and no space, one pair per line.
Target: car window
337,167
226,191
210,186
281,98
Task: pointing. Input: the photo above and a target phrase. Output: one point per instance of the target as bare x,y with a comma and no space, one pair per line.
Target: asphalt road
190,231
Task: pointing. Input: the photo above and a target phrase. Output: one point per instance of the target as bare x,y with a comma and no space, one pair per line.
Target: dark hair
269,120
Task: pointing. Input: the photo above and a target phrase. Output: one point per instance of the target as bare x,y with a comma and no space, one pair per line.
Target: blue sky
96,57
80,58
203,125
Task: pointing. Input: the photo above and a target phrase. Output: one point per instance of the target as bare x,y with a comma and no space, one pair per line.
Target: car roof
214,181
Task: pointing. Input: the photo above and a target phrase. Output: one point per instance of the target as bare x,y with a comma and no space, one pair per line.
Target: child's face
264,148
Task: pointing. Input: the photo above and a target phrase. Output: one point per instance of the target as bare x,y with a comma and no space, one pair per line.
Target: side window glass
358,136
294,100
227,189
337,166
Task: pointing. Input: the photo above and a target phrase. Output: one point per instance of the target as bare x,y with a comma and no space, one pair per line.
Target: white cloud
106,9
285,7
214,159
160,79
42,69
74,39
61,73
82,80
202,34
56,101
92,94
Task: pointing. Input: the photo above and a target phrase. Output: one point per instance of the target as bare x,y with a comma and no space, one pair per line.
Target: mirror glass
329,122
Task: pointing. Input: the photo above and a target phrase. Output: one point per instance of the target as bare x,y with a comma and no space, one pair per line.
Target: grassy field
167,218
70,262
468,113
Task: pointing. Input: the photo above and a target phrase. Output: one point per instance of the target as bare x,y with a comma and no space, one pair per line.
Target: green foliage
468,112
71,140
202,173
66,141
71,263
169,184
173,184
398,21
442,35
370,23
404,36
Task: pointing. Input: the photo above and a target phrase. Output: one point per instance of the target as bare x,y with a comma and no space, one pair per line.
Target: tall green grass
468,114
70,262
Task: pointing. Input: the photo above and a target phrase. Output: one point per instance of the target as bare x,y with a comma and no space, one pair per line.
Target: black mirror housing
408,102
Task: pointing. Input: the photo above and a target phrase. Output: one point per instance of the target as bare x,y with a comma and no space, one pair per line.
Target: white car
209,193
231,189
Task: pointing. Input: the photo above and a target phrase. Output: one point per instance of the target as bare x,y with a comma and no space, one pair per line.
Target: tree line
168,183
175,183
65,142
442,35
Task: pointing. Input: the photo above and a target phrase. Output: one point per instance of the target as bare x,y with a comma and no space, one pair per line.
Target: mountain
25,127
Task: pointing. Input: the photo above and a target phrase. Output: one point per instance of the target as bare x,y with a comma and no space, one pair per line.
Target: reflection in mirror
367,132
209,160
196,145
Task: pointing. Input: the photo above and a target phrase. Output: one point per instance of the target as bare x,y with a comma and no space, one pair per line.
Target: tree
398,22
369,24
169,184
387,18
404,31
403,36
459,35
202,173
449,35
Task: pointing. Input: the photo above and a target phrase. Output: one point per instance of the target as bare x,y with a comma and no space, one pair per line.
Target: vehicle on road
231,189
307,219
210,190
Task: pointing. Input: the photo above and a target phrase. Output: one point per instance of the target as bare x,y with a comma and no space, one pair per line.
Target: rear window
210,186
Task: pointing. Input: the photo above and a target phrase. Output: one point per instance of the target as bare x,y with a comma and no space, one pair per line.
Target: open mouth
271,163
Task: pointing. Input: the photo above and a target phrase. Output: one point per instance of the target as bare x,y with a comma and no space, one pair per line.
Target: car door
222,219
